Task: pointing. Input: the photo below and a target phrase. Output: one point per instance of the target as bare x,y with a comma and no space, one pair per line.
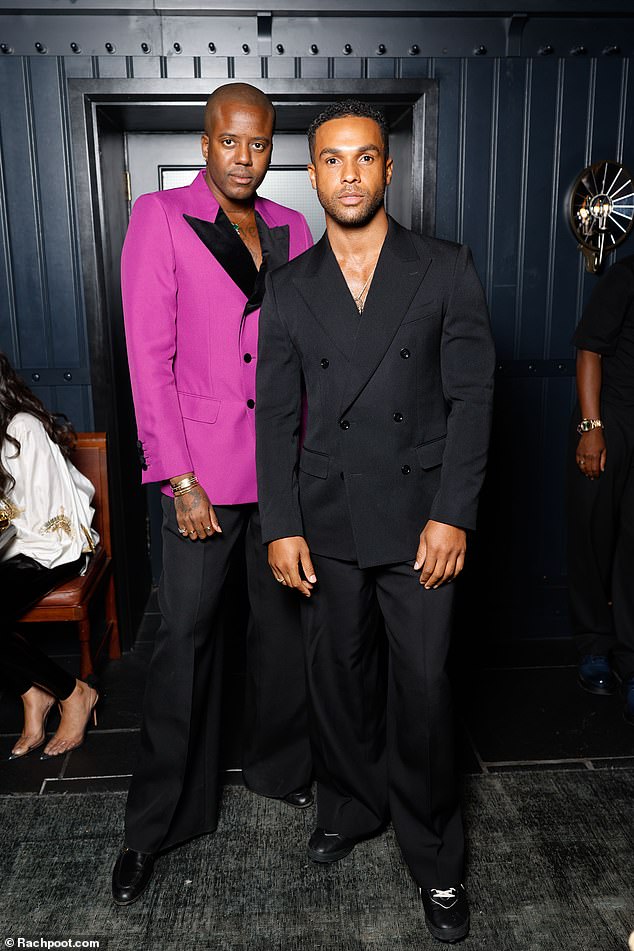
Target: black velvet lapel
275,244
228,249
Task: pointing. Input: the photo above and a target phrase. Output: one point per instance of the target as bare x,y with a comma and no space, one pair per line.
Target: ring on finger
183,531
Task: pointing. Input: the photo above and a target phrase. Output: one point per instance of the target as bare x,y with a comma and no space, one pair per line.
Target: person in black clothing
601,488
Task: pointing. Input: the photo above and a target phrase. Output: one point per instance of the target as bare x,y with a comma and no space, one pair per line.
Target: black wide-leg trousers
601,545
378,755
23,582
175,788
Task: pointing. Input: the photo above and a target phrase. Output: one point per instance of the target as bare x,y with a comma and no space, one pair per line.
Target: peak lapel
276,241
398,276
326,294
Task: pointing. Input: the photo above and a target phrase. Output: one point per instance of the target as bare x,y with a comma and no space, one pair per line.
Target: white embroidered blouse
50,501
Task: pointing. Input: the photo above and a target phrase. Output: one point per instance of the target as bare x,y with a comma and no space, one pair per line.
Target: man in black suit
387,335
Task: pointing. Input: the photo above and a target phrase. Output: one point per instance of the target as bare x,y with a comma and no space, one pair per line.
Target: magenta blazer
192,340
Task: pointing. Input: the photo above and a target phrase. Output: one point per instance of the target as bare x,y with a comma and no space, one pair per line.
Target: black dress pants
601,545
378,755
23,582
175,789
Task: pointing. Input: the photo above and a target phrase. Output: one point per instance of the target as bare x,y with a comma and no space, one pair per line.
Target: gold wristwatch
587,424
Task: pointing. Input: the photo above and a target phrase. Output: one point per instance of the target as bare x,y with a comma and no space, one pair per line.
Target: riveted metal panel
556,36
361,37
93,35
192,35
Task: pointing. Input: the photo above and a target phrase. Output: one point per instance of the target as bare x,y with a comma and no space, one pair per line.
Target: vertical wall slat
506,205
58,243
542,124
22,213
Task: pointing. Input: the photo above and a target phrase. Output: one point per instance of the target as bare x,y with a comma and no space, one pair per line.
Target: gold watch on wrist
587,424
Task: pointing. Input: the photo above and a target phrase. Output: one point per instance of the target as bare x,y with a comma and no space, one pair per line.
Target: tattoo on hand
186,504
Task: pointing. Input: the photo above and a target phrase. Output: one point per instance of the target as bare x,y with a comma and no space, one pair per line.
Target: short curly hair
349,107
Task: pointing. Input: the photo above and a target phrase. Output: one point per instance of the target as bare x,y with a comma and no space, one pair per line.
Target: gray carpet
551,858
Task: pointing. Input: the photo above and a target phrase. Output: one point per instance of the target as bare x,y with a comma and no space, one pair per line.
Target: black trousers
175,791
23,582
379,753
601,545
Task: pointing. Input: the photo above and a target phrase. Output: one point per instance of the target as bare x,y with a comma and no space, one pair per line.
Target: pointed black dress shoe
300,799
446,912
131,875
329,846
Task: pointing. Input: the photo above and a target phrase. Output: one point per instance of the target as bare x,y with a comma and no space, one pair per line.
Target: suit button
247,358
344,424
405,470
325,364
250,403
398,417
405,353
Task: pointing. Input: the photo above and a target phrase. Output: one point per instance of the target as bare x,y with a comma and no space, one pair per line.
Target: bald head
237,143
236,95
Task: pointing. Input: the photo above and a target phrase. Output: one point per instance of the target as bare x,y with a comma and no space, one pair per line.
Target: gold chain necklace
360,303
236,224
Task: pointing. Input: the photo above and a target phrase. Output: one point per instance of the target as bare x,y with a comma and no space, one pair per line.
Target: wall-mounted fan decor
601,210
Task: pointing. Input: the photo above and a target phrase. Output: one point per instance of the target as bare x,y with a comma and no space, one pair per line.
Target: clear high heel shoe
92,715
34,746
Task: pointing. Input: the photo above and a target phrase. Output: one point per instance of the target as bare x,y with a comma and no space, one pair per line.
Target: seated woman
45,504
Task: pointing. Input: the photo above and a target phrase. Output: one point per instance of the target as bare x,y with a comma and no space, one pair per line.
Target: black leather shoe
131,875
446,912
595,674
300,799
329,846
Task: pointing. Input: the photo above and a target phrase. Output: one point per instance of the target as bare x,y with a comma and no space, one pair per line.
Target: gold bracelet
184,486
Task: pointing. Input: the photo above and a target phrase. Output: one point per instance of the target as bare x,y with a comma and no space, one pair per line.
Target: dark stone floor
519,709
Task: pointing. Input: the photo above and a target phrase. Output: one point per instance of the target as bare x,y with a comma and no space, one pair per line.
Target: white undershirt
51,498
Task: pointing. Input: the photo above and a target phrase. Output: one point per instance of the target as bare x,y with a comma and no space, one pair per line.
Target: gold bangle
184,485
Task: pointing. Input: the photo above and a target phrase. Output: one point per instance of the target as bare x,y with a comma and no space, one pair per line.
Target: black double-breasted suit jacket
397,401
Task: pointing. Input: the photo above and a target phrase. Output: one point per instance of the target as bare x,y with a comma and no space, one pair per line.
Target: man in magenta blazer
193,268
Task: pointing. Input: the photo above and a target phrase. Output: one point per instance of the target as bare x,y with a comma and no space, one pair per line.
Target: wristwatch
587,424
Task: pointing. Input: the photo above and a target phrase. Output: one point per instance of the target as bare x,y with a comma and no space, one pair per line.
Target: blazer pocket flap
314,463
422,311
204,409
430,453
